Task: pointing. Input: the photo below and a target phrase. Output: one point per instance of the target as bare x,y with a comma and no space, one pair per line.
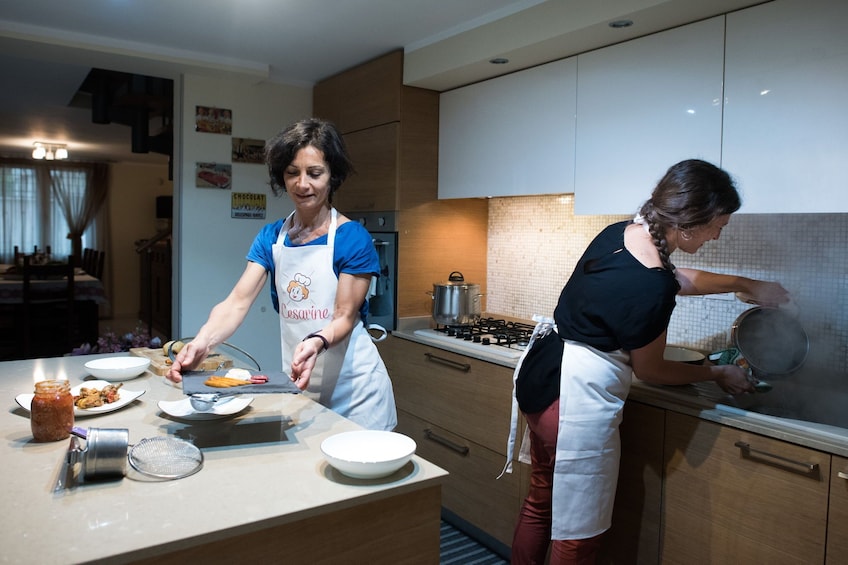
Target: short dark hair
320,134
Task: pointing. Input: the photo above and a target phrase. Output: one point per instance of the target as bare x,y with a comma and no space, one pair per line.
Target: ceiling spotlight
619,24
49,151
499,61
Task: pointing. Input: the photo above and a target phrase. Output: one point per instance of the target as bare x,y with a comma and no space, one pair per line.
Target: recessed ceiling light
499,61
618,24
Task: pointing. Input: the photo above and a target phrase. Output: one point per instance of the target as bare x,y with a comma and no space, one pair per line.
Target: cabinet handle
842,475
806,468
464,367
461,449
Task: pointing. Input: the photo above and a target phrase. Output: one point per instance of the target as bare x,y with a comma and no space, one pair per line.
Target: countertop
703,401
263,468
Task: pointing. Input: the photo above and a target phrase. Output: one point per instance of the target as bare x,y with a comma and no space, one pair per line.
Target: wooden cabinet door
465,396
737,497
373,187
837,523
635,533
472,491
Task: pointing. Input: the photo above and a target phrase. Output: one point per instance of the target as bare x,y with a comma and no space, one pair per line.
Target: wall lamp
49,151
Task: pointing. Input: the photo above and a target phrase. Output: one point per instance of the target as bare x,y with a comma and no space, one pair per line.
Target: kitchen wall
534,243
211,246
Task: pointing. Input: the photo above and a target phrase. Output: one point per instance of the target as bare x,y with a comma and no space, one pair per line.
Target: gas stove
487,335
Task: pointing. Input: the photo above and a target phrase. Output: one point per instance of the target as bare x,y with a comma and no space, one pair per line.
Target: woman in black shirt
610,323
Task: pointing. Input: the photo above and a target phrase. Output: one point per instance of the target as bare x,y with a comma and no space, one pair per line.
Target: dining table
265,492
86,287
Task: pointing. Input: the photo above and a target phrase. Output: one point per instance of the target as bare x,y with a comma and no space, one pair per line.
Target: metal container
105,454
456,302
771,341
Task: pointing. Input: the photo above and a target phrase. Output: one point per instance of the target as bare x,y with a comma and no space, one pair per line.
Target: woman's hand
189,357
303,361
765,293
732,379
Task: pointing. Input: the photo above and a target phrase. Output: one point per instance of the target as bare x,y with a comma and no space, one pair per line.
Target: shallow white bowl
117,368
368,454
684,355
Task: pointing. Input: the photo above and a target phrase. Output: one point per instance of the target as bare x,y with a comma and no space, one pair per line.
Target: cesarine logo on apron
298,307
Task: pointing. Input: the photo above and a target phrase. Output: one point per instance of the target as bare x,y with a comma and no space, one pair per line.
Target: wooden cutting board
160,363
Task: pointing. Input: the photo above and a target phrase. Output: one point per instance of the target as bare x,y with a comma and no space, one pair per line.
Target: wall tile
535,241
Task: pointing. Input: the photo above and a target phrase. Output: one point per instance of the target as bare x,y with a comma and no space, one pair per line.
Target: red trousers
533,531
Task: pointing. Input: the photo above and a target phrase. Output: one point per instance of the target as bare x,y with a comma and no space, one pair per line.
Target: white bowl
117,368
368,454
683,354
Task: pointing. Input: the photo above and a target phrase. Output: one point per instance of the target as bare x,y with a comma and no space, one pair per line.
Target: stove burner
492,331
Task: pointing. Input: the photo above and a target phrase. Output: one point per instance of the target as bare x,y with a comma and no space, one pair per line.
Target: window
36,201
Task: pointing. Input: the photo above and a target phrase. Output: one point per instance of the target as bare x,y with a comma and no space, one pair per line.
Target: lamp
49,151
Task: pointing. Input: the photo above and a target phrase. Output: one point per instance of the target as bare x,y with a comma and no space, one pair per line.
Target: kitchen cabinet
457,409
837,516
510,136
643,105
736,497
635,532
785,122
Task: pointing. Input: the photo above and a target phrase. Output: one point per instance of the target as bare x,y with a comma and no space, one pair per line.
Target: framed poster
248,150
213,175
213,120
248,205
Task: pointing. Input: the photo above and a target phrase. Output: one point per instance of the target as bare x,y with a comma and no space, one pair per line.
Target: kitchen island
264,494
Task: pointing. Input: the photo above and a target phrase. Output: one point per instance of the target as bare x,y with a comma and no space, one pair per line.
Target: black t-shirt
612,301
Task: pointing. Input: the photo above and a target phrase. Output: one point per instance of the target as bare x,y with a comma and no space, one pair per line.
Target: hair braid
657,233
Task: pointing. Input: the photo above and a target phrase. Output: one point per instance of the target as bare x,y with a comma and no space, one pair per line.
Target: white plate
116,369
183,409
125,398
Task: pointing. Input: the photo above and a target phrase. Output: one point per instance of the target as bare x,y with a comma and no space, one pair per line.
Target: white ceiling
47,47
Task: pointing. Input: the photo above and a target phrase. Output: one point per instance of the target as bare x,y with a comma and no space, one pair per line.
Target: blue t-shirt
354,254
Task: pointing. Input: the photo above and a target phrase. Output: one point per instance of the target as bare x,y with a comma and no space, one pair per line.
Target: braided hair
691,193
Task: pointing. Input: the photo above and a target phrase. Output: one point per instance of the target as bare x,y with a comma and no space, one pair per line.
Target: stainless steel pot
772,341
456,302
105,455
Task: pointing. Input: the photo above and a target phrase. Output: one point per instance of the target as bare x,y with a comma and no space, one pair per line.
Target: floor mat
456,548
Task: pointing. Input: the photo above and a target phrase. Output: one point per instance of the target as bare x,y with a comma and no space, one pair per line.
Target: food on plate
220,381
92,397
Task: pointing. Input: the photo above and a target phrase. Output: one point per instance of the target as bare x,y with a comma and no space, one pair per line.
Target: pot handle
456,276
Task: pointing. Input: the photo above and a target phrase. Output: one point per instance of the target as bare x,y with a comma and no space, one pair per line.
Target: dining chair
99,264
88,260
48,313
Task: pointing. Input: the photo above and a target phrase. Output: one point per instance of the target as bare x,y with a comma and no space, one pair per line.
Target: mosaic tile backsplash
535,241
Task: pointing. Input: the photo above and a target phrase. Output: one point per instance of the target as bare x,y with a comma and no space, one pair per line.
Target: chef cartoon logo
298,288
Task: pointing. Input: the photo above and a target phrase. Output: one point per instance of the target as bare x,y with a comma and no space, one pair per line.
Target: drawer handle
806,468
465,367
461,449
842,475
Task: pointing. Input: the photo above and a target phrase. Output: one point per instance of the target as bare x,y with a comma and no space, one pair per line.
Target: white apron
350,377
593,388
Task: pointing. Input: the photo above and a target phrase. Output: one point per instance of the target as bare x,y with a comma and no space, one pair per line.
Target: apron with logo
593,388
349,377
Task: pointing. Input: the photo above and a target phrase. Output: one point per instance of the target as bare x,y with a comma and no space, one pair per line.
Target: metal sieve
166,458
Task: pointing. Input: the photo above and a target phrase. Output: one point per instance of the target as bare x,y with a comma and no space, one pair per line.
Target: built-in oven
382,300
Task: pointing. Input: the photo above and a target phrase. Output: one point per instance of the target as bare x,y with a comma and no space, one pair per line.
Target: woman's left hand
303,362
765,293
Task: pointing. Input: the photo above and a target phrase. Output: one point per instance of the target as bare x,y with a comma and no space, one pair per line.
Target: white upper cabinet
511,135
642,106
786,107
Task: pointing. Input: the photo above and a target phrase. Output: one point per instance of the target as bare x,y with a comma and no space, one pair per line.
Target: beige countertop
263,467
702,401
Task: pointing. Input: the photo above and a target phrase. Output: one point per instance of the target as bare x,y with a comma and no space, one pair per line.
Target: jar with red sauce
52,411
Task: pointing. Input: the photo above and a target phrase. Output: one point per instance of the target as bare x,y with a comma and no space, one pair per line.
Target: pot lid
456,279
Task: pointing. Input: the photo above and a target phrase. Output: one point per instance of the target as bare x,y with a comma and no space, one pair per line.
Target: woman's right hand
732,379
190,356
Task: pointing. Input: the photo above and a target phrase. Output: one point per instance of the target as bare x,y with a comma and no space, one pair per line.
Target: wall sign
248,205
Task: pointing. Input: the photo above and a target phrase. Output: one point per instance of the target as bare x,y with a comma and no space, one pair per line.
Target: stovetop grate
491,331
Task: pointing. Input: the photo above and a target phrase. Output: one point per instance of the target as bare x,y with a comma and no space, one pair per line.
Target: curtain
48,204
79,195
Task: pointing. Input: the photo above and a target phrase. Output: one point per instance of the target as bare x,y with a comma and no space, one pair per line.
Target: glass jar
52,411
